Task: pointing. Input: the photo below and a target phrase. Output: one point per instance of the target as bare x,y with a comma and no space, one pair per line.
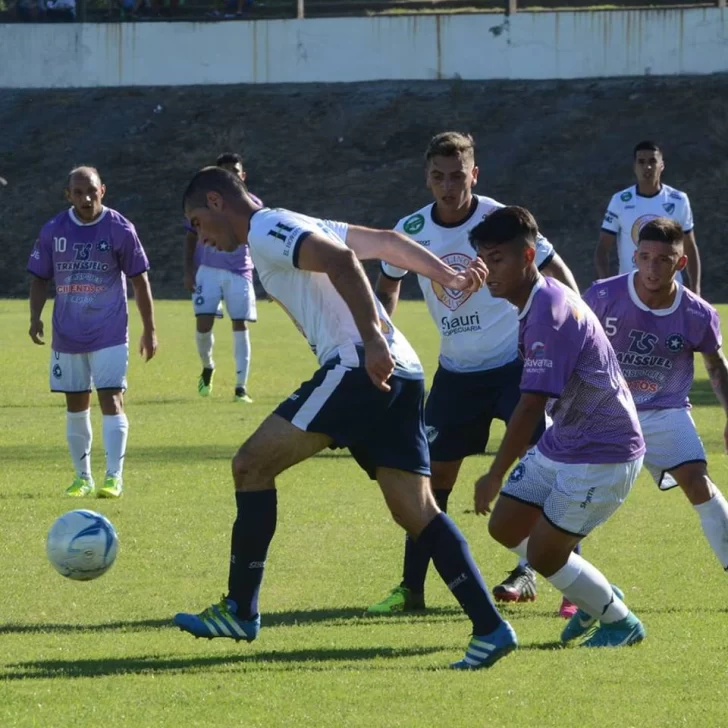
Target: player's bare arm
521,426
603,252
693,267
38,297
387,291
557,269
189,261
717,367
320,255
145,306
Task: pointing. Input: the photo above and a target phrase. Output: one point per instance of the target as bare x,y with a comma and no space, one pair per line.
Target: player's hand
148,345
487,488
36,332
378,361
190,283
472,279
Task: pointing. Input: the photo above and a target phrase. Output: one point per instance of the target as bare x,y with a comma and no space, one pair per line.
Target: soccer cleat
518,586
627,631
113,487
242,396
486,650
204,383
567,609
81,487
219,620
400,599
582,622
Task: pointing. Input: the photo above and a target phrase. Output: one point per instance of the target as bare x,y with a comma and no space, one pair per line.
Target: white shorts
574,497
215,285
672,441
102,369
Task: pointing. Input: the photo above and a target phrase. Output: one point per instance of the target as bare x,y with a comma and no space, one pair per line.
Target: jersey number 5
610,325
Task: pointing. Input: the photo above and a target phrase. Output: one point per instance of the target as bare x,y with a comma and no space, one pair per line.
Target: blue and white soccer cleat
582,622
627,631
486,650
219,620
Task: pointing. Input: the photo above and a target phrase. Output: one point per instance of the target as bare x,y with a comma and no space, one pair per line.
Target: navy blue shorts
380,429
461,407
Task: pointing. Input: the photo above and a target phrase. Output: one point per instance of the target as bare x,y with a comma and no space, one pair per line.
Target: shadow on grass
291,660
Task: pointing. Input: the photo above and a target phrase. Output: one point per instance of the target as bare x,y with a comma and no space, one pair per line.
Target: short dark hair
82,168
229,158
645,146
662,230
514,225
450,144
213,179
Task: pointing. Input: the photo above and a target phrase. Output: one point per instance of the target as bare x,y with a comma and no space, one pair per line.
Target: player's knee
247,469
498,532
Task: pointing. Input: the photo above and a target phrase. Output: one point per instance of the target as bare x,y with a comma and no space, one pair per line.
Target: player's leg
239,297
207,304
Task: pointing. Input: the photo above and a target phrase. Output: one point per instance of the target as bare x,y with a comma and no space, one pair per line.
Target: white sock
714,520
241,342
80,436
521,550
205,342
584,585
116,430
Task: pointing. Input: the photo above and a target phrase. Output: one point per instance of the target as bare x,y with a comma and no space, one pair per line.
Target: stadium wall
537,45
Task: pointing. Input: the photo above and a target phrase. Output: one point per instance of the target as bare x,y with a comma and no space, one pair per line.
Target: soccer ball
82,545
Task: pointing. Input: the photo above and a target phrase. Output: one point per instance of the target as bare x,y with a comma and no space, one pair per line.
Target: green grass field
105,652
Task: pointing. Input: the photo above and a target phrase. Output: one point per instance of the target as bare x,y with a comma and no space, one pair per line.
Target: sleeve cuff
388,276
37,275
547,260
541,391
297,246
611,232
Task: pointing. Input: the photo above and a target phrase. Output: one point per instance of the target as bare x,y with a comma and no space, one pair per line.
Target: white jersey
477,332
310,299
629,211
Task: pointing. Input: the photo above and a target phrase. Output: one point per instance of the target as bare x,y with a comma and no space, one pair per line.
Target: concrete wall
548,45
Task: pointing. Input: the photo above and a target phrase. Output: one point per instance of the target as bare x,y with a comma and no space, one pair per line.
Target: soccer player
221,276
635,206
655,326
479,373
90,250
586,462
367,396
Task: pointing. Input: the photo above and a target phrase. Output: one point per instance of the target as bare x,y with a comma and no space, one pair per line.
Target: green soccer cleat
204,383
242,396
400,599
113,487
81,487
628,631
582,624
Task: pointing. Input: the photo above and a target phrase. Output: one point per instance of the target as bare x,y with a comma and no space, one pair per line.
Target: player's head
85,191
213,203
232,163
660,254
648,162
450,169
506,242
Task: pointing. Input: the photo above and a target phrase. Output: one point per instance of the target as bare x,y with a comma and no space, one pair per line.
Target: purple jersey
655,347
238,262
89,263
567,356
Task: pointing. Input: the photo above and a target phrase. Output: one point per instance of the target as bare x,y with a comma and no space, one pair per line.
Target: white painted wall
526,46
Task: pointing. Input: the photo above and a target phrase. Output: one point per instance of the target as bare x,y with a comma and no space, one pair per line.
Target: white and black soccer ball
82,545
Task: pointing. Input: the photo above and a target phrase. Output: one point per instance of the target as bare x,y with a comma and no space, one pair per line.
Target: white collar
656,311
75,219
540,283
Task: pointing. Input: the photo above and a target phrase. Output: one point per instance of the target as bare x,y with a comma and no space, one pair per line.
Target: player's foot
486,650
567,609
81,487
582,622
204,383
627,631
518,586
400,599
242,396
219,620
113,487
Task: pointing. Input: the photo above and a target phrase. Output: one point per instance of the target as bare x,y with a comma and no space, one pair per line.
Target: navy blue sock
416,557
452,559
252,533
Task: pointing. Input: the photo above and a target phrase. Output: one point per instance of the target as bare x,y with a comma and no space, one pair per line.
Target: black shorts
461,407
380,429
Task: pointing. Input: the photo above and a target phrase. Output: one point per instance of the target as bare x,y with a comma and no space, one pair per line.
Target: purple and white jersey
567,356
238,261
655,347
89,262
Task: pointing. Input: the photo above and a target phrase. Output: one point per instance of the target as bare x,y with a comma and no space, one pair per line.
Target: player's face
236,169
451,180
508,267
648,166
86,193
658,264
213,223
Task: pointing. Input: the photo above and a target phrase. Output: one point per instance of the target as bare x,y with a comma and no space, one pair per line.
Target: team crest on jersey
639,223
626,196
453,299
103,246
669,207
602,293
414,224
675,343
